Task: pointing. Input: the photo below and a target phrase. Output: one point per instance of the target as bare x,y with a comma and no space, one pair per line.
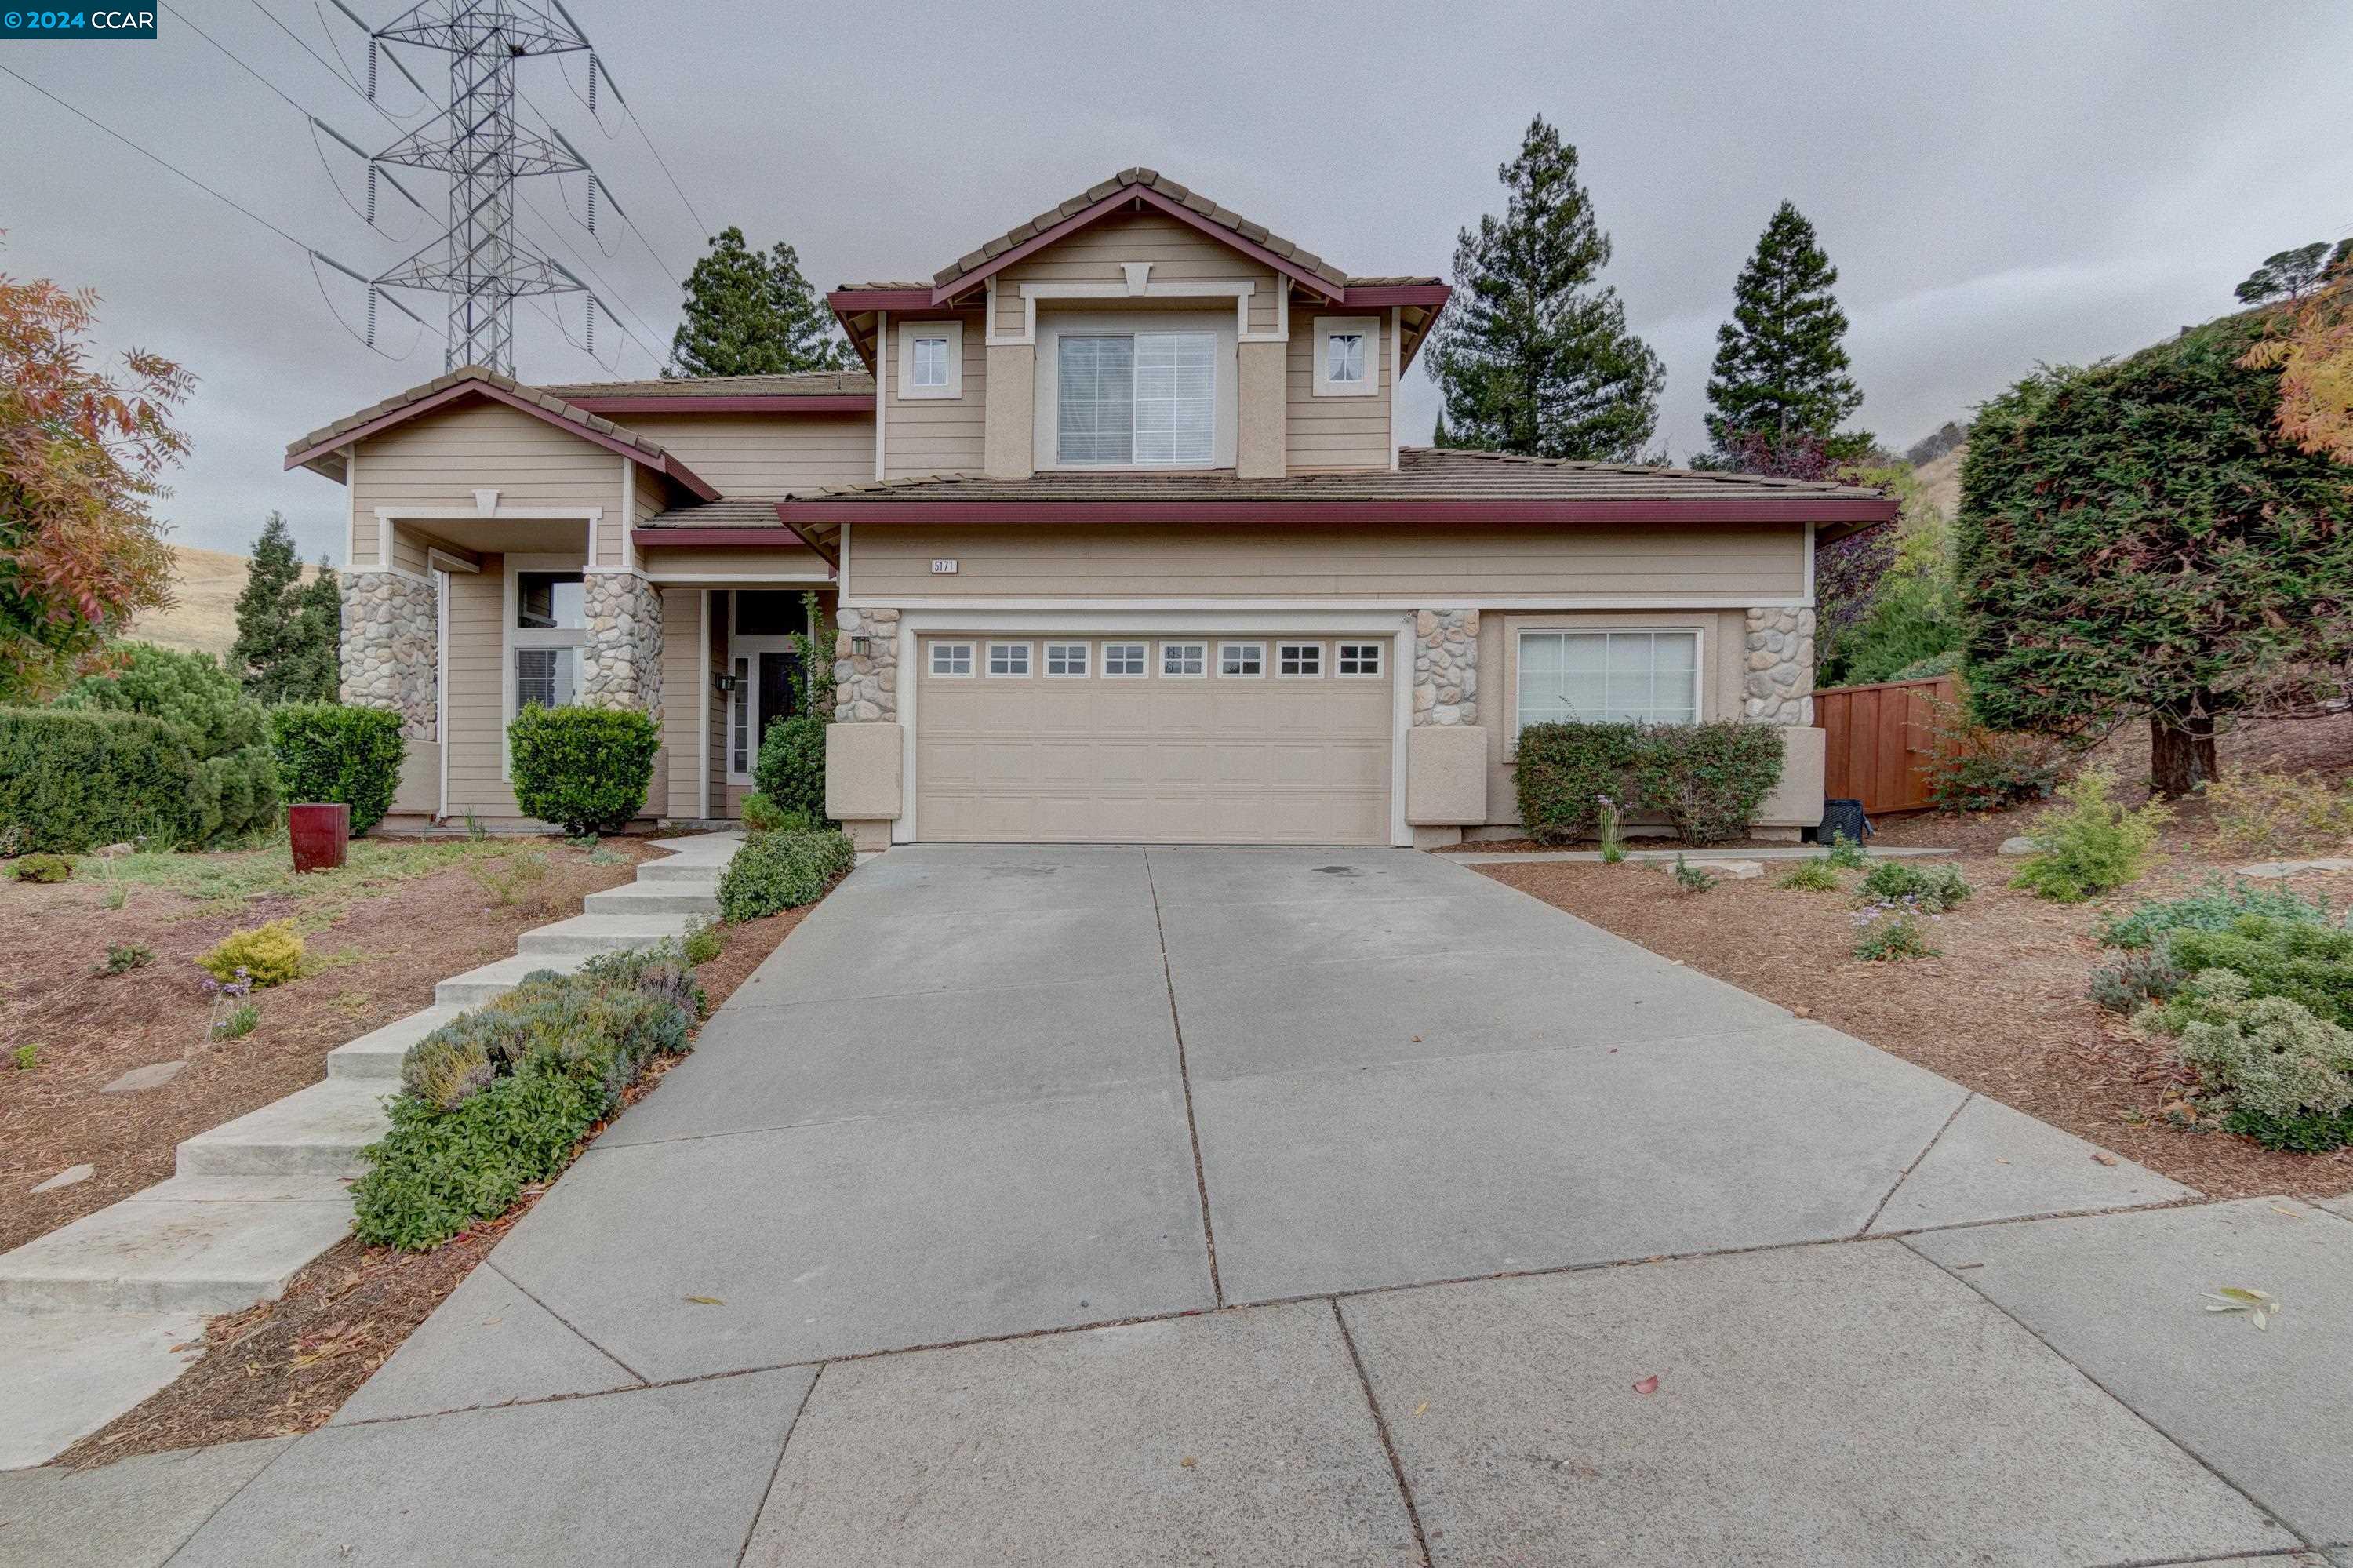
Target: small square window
1299,659
1241,659
932,361
1360,658
953,659
1068,659
1346,362
550,601
1123,658
1184,658
1009,658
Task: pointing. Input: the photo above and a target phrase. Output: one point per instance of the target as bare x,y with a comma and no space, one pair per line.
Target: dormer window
1347,356
931,360
1137,400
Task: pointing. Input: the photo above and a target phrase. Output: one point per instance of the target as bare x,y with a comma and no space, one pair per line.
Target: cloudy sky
1998,184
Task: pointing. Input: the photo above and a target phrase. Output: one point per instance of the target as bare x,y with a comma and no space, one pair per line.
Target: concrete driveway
1106,1205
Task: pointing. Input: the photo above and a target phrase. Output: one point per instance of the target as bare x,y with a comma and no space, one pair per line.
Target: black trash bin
1844,816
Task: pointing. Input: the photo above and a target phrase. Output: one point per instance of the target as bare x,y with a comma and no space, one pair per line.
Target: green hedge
334,754
791,769
235,791
1705,779
782,870
74,781
500,1097
585,769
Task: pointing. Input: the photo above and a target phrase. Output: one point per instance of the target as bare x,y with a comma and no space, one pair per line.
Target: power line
330,69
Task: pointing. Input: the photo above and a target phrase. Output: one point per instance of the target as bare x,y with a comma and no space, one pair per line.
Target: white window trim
1224,675
512,637
908,392
748,646
1225,432
1029,662
1322,668
932,654
1201,675
1328,327
1520,634
1086,658
1143,674
1380,659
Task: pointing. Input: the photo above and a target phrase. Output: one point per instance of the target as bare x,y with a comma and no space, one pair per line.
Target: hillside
204,620
1942,476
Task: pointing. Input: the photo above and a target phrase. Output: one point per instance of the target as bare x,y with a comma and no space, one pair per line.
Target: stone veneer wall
390,641
866,686
620,663
1779,675
1446,667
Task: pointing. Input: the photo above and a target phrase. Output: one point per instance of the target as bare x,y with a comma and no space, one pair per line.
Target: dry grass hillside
1942,476
204,620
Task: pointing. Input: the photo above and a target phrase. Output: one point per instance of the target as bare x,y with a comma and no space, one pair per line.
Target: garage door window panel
952,661
1245,660
1067,660
1126,660
1645,677
1008,660
1360,661
1184,661
1299,661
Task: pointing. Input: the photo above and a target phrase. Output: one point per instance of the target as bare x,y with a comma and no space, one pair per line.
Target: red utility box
320,836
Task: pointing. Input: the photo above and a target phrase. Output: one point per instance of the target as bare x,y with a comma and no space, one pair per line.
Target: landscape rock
2018,844
69,1177
153,1076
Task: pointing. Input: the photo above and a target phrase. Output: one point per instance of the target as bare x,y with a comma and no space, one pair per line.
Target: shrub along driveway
1105,1205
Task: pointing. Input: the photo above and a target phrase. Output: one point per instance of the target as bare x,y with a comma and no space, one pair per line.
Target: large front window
1137,398
551,618
1651,677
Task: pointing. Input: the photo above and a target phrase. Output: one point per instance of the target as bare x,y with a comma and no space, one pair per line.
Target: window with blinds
542,678
1143,398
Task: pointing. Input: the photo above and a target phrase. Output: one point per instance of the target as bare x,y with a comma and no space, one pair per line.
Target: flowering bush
1890,932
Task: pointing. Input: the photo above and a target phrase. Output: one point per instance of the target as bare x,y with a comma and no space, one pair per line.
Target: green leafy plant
2310,965
585,769
1891,934
2090,845
1931,889
583,842
44,868
27,1057
2277,813
118,894
790,771
510,879
229,1001
1812,876
2136,978
435,1172
1611,831
782,870
75,780
237,1023
1691,878
2282,1074
267,954
235,792
761,815
1973,768
705,940
1846,854
1707,780
334,754
122,957
2216,907
476,830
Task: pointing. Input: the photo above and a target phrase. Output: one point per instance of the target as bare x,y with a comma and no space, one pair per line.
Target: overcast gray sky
1998,184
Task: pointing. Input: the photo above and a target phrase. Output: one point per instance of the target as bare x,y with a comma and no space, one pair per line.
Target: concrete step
318,1131
602,933
155,1253
656,898
476,987
378,1054
679,868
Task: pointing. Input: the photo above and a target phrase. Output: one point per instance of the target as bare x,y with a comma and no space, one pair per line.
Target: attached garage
1174,738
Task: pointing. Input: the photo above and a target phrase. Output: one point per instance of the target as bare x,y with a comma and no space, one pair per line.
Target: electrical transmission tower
481,261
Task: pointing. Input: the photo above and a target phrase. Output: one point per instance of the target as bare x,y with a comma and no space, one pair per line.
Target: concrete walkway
1104,1206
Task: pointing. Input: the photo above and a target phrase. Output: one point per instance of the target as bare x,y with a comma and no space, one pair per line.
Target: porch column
864,778
1446,751
391,647
1778,688
621,661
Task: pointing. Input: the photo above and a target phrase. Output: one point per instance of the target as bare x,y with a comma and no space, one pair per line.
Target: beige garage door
1153,740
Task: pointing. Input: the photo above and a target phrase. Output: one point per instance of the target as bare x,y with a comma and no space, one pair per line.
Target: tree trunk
2180,751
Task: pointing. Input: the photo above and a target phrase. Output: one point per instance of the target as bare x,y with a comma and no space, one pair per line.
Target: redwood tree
82,453
2138,538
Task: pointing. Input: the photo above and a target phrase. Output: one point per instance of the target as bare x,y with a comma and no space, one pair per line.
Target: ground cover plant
2276,1070
1812,876
773,872
1930,889
2271,812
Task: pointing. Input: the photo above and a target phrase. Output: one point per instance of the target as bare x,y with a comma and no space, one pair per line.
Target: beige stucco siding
769,454
475,730
934,435
1426,566
1334,432
1179,253
439,459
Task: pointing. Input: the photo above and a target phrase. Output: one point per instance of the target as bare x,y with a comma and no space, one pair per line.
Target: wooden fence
1879,740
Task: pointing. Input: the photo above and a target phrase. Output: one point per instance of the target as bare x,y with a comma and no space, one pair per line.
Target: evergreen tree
268,635
751,314
1780,361
1533,358
315,674
1437,437
2290,274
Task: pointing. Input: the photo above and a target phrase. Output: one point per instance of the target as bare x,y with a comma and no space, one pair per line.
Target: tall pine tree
316,675
288,635
1533,358
1780,361
751,314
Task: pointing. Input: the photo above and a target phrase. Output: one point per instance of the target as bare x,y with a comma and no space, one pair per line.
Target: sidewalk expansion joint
1184,1077
1381,1425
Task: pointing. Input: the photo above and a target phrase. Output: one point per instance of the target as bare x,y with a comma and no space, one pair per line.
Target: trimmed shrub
235,792
44,868
2281,1072
782,870
269,955
76,780
2217,906
791,769
1705,779
761,815
585,769
1931,889
2090,845
334,754
435,1172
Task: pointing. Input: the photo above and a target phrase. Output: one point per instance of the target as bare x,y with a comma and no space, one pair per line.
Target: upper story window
931,359
1347,356
1136,399
548,601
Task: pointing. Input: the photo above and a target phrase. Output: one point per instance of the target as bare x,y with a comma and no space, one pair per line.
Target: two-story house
1123,544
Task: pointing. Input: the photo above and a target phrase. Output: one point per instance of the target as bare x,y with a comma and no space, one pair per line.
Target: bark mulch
382,950
2003,1009
284,1367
